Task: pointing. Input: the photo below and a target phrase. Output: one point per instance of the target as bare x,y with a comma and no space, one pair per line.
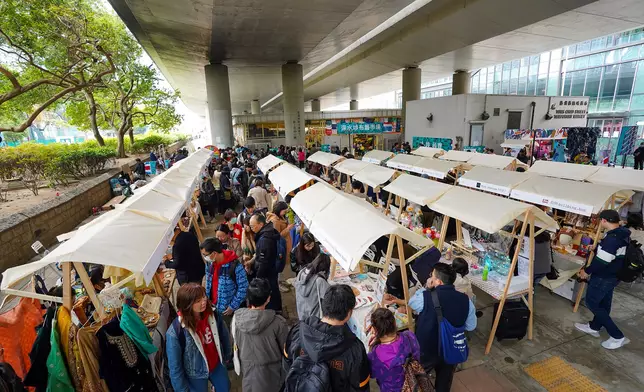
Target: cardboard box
569,290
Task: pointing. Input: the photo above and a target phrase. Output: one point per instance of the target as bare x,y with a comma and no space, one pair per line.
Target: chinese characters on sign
436,142
355,128
571,109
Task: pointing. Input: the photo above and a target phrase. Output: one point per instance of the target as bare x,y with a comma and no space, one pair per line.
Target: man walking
456,308
638,154
266,238
259,336
330,342
608,260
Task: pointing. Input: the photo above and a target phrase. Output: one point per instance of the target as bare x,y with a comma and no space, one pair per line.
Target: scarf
229,256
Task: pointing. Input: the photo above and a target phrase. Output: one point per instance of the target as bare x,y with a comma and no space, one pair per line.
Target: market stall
491,180
494,161
567,171
491,268
286,178
428,152
458,156
436,168
268,163
346,227
374,176
404,162
618,177
515,144
327,160
377,156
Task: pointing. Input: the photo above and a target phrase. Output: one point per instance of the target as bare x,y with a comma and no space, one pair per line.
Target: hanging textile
18,333
134,327
38,374
122,366
58,380
89,353
67,333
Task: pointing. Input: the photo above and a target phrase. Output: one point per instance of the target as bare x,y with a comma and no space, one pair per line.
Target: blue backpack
452,343
281,255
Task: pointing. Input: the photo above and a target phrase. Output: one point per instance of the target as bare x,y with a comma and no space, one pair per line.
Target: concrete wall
452,116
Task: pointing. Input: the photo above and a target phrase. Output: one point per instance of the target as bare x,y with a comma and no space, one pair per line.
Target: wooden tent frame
528,220
398,240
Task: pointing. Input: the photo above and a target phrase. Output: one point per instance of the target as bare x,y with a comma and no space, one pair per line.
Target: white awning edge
568,171
515,143
268,162
374,175
428,152
324,158
419,190
618,177
286,178
377,156
350,166
457,156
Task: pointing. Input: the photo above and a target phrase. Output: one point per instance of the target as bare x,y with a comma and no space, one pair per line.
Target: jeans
599,297
218,378
638,164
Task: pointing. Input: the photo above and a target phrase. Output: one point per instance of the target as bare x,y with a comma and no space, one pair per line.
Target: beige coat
262,198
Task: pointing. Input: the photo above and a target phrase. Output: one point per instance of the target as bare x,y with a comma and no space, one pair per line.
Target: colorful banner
627,139
325,147
480,149
346,128
436,142
526,134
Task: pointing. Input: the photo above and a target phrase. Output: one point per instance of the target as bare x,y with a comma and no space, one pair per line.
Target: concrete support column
293,89
410,90
255,108
353,104
315,105
219,111
461,82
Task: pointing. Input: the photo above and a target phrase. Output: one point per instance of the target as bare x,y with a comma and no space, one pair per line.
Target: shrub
150,142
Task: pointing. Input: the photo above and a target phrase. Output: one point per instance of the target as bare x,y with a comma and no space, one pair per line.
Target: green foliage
149,143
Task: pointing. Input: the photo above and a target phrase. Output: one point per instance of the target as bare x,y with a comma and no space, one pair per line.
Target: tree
51,49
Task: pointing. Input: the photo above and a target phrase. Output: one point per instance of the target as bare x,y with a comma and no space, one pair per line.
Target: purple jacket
388,360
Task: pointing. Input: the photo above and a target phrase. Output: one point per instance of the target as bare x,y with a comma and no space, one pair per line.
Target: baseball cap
611,216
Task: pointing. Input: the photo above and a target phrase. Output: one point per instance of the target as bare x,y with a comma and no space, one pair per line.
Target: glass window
543,68
482,80
523,71
581,62
567,81
490,88
622,38
513,86
637,35
497,87
475,83
630,53
514,74
532,85
607,128
544,57
534,59
505,87
578,80
541,85
610,40
515,64
598,43
583,47
523,82
638,88
624,85
553,78
637,103
525,61
612,57
506,74
533,70
607,88
593,77
595,60
507,66
568,65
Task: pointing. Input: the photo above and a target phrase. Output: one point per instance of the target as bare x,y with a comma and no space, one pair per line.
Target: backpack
235,177
633,266
452,343
281,255
305,375
416,380
181,334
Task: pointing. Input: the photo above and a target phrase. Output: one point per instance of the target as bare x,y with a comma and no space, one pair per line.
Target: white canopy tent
287,178
618,177
494,161
346,226
404,162
377,156
374,175
428,152
578,197
268,162
487,212
515,143
568,171
417,189
492,180
350,166
435,167
155,204
457,156
324,158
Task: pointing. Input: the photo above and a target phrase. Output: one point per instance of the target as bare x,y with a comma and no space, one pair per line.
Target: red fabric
229,256
208,342
237,231
300,156
18,333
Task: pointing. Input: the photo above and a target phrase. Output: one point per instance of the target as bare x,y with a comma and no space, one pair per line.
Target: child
389,350
230,218
462,284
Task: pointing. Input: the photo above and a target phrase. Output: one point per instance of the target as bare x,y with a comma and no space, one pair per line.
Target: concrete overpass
342,50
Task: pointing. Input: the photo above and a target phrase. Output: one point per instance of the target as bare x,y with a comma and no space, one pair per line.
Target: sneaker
612,343
586,329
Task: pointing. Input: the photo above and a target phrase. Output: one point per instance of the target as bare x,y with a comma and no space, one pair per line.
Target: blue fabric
230,293
427,324
218,378
184,364
452,341
609,256
599,298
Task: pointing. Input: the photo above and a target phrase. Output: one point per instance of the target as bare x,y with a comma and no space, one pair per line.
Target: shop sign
400,166
371,160
328,131
435,142
325,147
484,186
577,109
565,205
348,128
480,149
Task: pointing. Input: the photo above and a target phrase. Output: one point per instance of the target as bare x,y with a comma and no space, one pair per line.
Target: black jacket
266,251
337,346
139,169
187,259
639,153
